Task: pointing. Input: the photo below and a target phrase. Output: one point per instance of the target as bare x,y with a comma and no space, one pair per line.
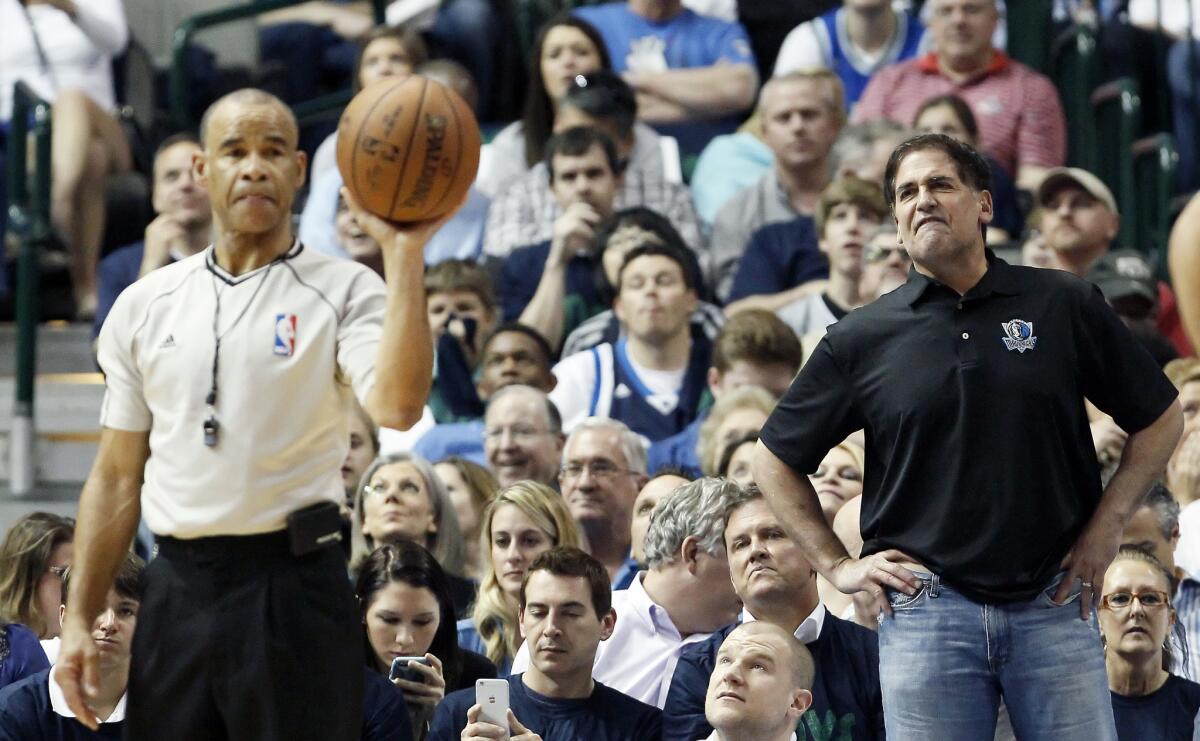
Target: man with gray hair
603,468
684,596
522,435
802,113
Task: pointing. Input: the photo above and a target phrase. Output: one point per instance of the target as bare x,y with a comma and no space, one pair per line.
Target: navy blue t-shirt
118,271
778,257
607,715
522,271
847,703
1167,714
26,715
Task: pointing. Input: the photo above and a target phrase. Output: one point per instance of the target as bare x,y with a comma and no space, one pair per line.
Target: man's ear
689,553
62,614
521,620
608,623
714,380
200,168
801,701
986,208
551,382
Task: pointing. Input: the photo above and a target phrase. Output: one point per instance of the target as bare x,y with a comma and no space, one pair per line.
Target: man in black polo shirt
984,521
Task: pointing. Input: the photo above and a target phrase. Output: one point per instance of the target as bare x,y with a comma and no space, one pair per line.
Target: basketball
408,149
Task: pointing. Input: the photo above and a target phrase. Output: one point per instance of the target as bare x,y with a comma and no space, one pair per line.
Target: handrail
29,219
181,116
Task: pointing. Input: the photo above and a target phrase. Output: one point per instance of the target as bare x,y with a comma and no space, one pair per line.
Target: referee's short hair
130,581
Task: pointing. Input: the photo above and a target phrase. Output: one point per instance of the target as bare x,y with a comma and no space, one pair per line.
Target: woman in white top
565,47
64,51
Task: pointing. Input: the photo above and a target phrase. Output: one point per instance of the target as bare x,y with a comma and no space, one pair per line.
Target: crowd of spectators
576,509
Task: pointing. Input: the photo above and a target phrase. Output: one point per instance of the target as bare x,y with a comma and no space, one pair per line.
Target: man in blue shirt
35,707
552,285
565,612
181,228
685,67
777,585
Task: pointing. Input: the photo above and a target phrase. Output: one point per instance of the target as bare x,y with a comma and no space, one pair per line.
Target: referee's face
250,167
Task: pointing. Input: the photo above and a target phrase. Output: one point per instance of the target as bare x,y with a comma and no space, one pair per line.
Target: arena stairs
67,409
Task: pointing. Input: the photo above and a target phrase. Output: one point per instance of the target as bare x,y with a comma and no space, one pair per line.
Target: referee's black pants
239,640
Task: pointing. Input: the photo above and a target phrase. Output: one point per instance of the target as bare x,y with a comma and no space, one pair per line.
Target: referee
986,530
226,379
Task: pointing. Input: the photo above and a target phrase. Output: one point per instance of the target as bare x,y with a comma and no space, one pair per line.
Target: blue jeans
945,661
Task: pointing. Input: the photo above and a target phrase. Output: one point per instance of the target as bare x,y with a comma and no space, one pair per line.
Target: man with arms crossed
985,526
227,378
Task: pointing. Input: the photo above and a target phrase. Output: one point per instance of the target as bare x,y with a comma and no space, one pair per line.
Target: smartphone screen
492,697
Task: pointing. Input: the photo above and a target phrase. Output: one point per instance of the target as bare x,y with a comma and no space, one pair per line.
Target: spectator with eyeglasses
885,265
35,552
1136,619
522,436
401,498
603,468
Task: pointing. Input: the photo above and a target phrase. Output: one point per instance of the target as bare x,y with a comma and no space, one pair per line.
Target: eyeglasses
602,470
381,489
879,254
58,571
519,433
1118,601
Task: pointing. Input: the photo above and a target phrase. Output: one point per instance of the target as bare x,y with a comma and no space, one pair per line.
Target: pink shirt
1020,118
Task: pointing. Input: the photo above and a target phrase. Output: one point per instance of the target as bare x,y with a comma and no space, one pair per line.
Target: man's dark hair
578,141
671,252
972,168
526,330
731,448
173,139
130,581
650,221
573,562
603,94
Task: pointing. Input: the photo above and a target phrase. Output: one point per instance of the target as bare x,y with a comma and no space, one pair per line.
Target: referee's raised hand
77,672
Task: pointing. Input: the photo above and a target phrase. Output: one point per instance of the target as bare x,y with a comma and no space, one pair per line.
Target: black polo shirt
980,462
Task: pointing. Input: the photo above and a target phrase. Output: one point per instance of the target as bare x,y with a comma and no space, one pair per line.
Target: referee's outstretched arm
404,363
109,510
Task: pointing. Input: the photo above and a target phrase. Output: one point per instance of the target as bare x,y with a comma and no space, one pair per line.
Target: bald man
761,685
227,378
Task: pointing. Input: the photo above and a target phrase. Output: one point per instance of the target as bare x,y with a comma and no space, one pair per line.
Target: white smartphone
492,697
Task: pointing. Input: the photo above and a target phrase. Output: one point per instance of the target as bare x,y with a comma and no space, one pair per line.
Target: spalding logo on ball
408,150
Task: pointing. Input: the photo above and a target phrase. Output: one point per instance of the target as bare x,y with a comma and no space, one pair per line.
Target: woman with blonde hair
401,498
839,478
523,521
33,557
736,413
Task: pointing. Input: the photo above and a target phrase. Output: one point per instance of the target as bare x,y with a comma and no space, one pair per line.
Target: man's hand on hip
872,574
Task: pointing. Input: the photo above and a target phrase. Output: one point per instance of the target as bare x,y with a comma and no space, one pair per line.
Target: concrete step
66,417
61,348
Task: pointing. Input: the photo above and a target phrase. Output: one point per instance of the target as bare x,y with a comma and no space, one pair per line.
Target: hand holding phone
401,669
491,695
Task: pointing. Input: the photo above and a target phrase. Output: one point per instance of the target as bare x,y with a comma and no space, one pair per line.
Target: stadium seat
1154,162
1118,113
1030,32
1075,67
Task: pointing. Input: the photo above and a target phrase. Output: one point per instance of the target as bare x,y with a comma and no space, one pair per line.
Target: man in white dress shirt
761,685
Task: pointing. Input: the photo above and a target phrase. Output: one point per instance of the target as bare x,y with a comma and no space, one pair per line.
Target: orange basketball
408,149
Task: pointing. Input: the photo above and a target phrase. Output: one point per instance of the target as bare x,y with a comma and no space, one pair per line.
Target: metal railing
178,86
29,220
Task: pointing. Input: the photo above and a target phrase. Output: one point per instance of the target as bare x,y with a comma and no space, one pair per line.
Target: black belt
224,547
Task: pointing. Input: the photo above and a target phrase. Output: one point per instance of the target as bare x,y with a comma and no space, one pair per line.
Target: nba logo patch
285,335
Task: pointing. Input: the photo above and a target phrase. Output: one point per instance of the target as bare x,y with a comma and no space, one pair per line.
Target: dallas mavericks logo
1018,335
285,335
